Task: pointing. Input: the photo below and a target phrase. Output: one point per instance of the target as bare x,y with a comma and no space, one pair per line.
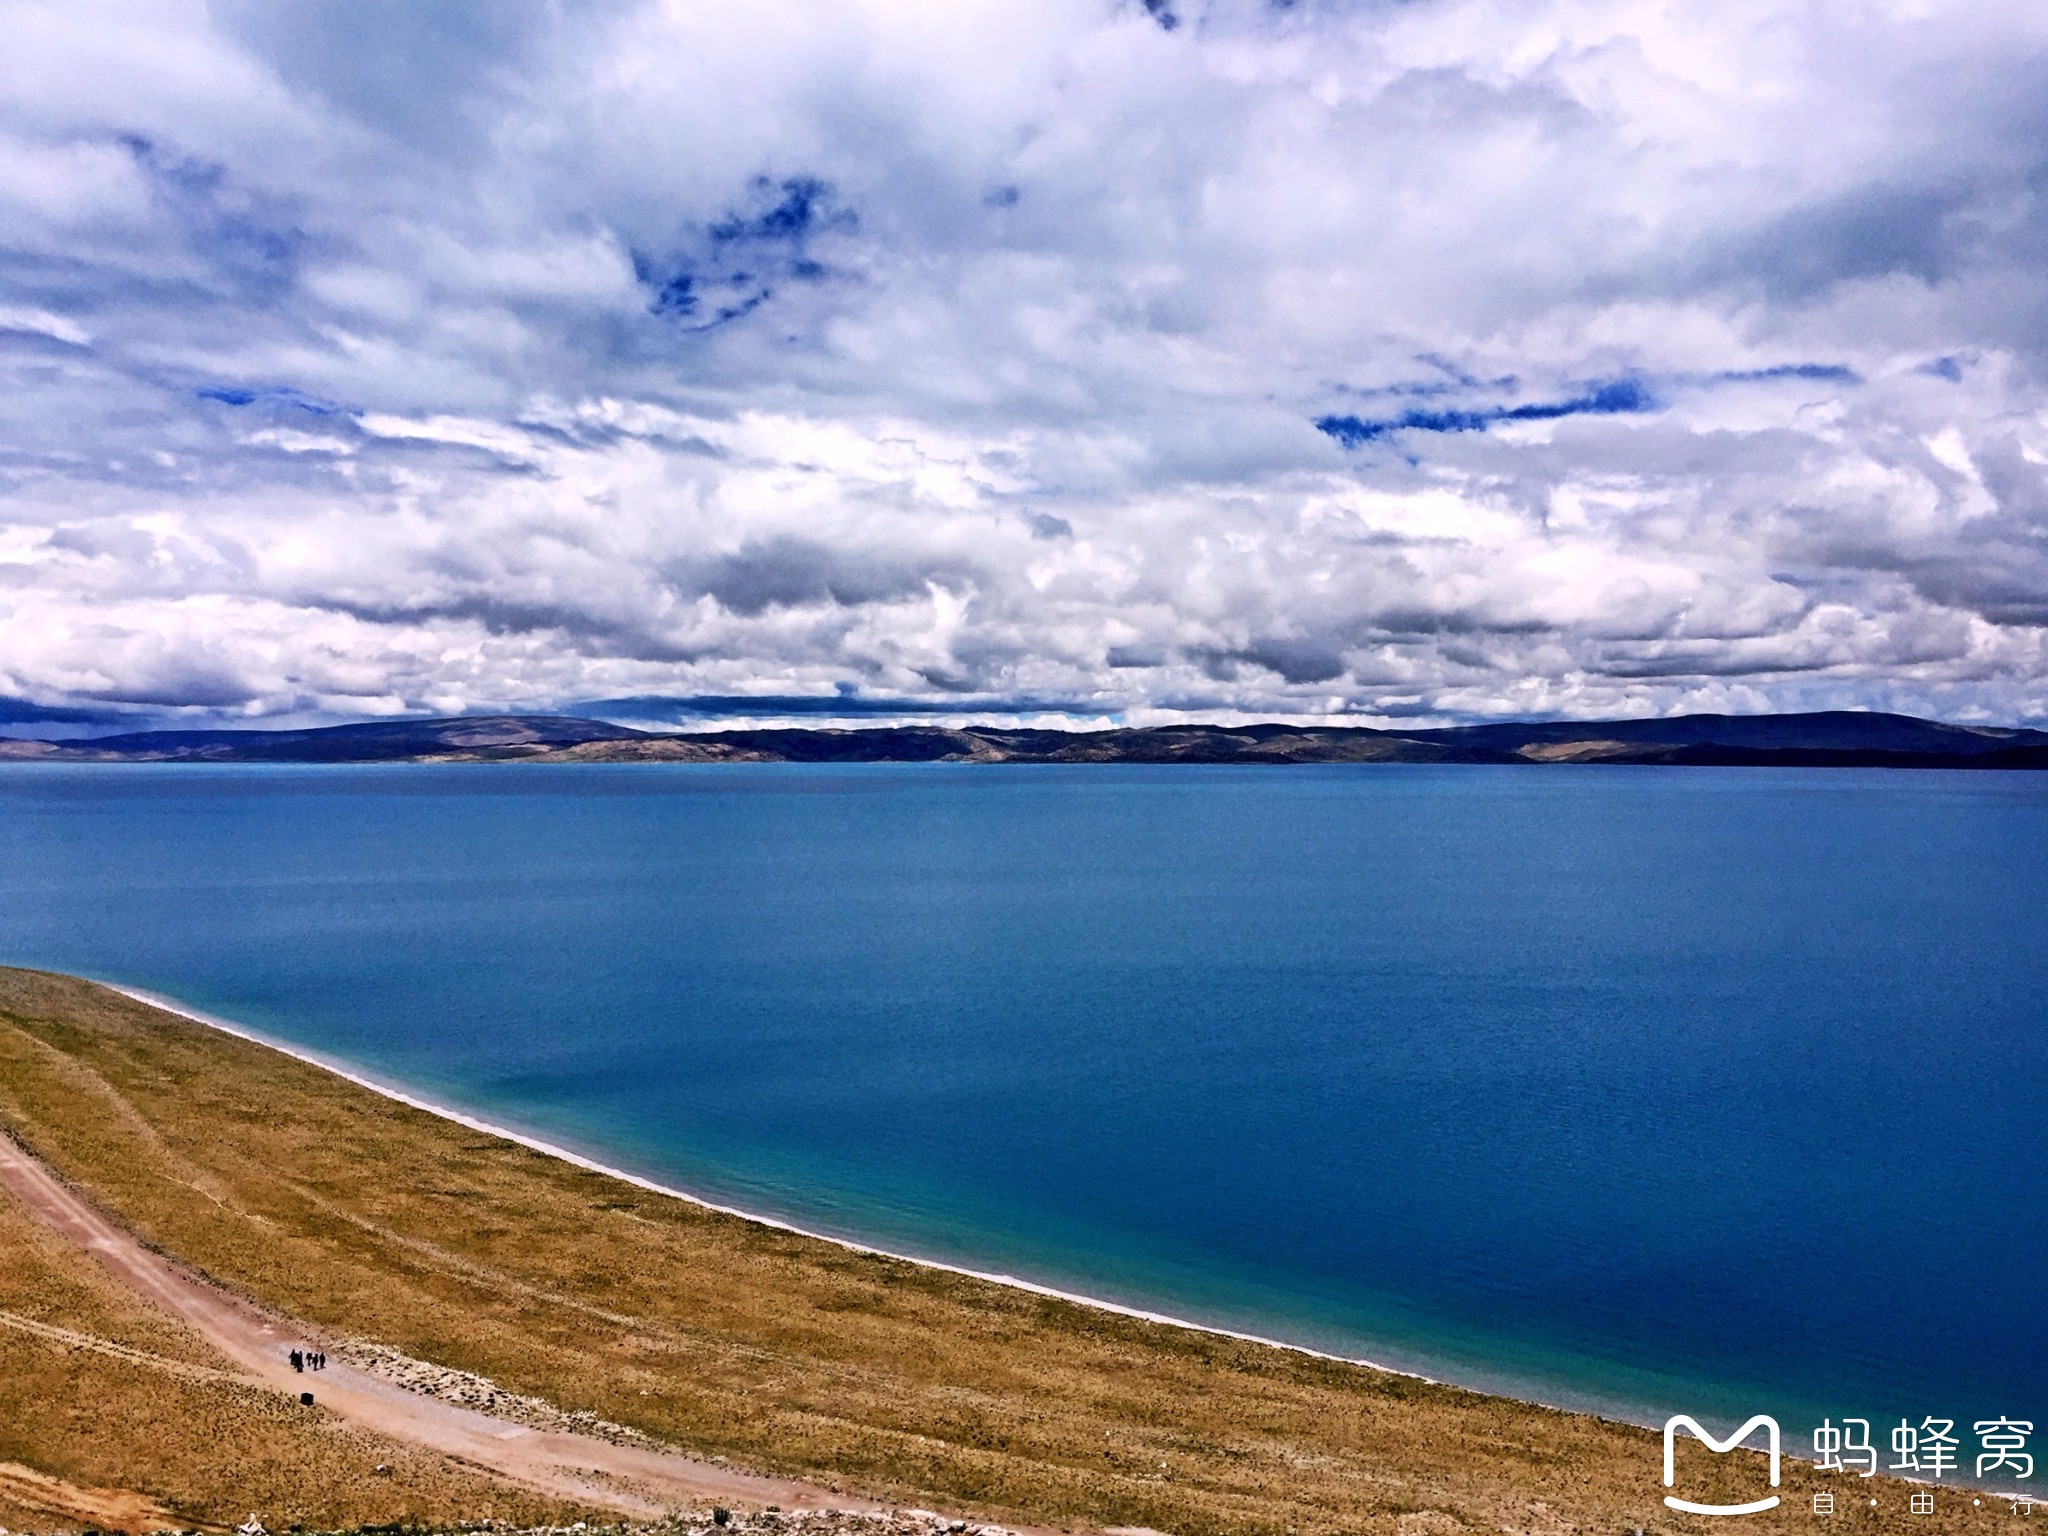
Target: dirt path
632,1480
113,1509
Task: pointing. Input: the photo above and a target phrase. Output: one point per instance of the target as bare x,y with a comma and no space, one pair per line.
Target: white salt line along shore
551,1149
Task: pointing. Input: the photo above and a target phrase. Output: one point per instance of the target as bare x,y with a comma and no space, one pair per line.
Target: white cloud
40,322
369,356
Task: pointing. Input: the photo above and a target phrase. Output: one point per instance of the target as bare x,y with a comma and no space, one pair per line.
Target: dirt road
631,1480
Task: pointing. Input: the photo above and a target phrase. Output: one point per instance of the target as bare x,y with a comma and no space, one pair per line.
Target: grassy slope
780,1352
208,1450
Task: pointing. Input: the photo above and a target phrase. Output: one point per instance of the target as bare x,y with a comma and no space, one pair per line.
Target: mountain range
1838,738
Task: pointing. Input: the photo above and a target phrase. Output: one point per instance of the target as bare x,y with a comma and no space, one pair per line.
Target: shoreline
852,1245
398,1095
616,1295
385,1090
349,1073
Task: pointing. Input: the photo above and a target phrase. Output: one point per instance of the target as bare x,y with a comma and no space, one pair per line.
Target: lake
1651,1090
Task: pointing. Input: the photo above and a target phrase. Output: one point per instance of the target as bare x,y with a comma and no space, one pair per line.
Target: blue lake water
1653,1090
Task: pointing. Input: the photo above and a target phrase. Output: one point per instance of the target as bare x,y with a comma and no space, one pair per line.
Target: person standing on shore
298,1361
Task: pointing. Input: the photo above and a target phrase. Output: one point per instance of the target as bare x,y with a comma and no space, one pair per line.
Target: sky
1074,361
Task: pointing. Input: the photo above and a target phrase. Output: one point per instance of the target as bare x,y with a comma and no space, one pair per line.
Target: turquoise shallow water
1651,1090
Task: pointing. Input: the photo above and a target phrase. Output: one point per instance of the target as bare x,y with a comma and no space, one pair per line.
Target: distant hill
1832,731
470,736
1838,738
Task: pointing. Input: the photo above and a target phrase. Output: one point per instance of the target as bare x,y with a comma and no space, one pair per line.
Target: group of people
309,1360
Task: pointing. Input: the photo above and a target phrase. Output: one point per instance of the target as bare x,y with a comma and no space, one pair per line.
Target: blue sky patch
762,245
281,398
1629,395
801,206
1616,397
1821,373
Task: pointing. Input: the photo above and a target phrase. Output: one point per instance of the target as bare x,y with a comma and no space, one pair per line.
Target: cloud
29,712
1435,360
844,706
40,322
790,573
